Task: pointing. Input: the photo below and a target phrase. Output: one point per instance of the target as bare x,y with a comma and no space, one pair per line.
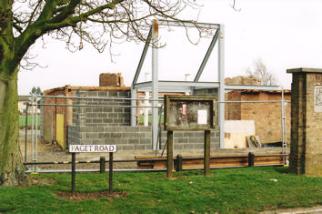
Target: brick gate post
306,121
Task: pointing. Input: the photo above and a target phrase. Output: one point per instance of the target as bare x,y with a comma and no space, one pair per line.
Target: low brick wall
138,138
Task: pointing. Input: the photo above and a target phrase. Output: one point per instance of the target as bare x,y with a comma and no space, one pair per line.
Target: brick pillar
306,121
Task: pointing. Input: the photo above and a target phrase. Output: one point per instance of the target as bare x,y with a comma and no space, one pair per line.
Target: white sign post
73,149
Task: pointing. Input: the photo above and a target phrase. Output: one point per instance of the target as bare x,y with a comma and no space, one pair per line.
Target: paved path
314,210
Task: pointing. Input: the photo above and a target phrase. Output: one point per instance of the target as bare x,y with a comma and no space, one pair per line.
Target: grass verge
243,190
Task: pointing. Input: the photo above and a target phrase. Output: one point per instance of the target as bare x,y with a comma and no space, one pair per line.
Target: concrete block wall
138,138
108,112
98,121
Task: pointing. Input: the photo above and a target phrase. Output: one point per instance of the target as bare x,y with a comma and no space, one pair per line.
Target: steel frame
185,86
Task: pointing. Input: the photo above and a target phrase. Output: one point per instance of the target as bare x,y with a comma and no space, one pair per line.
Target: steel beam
145,50
190,24
206,58
177,85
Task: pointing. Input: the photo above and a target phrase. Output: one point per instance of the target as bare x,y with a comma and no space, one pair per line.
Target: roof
304,70
86,88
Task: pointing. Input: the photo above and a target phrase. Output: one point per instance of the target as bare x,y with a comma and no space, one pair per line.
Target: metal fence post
169,153
73,172
33,133
26,131
179,163
110,173
251,159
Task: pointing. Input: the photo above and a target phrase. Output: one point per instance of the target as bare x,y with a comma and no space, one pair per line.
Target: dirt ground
44,152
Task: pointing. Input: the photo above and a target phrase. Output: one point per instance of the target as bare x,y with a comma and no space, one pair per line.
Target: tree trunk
12,171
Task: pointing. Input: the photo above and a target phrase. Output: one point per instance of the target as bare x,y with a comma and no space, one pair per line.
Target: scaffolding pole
133,106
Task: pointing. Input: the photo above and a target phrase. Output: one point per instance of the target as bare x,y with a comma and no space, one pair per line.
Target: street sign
92,148
74,149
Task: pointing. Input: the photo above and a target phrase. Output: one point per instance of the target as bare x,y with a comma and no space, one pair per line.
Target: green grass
22,120
246,190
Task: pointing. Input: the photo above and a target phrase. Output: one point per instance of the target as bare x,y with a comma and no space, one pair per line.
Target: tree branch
73,20
65,11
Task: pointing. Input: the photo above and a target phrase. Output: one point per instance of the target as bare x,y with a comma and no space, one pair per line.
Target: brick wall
267,116
306,149
233,110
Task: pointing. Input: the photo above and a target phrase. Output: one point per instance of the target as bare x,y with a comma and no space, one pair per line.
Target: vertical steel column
155,80
133,106
221,89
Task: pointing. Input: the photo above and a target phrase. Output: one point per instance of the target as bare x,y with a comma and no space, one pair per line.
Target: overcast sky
283,33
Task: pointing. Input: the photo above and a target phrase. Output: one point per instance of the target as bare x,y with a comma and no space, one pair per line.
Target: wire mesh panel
49,124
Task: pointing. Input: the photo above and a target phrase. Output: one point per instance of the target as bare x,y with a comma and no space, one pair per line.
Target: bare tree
260,72
98,22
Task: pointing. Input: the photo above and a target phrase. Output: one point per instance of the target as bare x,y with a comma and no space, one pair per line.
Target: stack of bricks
306,114
111,80
242,80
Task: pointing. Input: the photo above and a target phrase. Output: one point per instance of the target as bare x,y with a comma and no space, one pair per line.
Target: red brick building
266,114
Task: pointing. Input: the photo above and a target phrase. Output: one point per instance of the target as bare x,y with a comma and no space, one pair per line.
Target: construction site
251,121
